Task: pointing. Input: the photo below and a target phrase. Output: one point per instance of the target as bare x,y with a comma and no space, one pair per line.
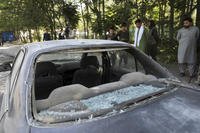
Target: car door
8,93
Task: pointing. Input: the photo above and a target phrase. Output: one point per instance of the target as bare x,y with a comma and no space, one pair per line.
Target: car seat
88,75
46,79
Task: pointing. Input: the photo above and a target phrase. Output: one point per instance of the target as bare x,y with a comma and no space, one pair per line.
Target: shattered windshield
84,84
98,105
109,100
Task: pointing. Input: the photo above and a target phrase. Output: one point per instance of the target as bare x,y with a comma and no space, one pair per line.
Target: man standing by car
123,34
46,36
140,36
111,34
61,35
153,40
187,50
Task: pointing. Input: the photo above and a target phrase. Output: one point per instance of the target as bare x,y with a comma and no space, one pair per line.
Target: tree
71,14
97,16
171,20
198,14
33,15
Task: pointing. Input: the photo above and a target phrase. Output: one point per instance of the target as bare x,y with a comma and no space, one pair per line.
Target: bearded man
187,50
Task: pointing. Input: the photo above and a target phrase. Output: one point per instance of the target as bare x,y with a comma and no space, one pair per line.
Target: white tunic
187,50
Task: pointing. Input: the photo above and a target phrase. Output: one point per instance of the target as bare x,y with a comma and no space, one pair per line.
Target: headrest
136,78
45,68
89,61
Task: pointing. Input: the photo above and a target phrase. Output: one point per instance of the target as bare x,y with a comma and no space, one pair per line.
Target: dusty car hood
177,112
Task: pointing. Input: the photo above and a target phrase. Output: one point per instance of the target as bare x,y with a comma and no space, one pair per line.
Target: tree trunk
171,21
182,15
137,10
103,18
99,19
198,14
84,23
30,35
54,36
162,6
187,6
38,34
87,22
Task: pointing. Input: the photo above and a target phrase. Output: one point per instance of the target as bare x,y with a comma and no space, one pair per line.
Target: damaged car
94,86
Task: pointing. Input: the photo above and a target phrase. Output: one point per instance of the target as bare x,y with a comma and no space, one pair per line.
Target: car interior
91,69
77,75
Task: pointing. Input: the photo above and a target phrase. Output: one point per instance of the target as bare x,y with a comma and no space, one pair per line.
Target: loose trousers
191,68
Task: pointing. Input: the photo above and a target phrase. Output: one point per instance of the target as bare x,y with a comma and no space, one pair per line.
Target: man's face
138,25
124,28
111,31
186,24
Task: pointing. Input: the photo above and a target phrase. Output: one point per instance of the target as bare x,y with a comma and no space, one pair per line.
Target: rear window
103,104
87,83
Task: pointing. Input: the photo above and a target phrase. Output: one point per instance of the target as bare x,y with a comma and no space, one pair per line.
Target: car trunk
176,112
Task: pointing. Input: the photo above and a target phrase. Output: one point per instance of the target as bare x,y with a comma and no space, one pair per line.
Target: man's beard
186,26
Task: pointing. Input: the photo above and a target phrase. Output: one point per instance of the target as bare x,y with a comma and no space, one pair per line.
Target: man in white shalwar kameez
140,36
187,50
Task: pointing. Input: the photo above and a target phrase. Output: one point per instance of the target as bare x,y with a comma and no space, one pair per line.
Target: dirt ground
173,68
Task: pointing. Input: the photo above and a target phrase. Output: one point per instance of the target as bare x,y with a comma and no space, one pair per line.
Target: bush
168,50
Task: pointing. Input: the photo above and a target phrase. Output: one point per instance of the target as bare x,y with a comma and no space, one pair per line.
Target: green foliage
116,14
168,51
71,14
30,15
97,16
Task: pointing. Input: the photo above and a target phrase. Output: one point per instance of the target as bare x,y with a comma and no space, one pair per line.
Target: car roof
74,43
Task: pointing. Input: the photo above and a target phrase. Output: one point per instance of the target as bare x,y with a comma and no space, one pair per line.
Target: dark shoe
182,74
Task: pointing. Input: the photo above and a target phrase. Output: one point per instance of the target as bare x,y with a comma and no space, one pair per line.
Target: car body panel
177,112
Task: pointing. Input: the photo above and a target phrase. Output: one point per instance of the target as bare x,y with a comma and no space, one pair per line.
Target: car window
88,68
72,84
125,61
105,104
60,57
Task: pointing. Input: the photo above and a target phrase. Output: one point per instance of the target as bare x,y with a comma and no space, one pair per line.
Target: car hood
177,112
